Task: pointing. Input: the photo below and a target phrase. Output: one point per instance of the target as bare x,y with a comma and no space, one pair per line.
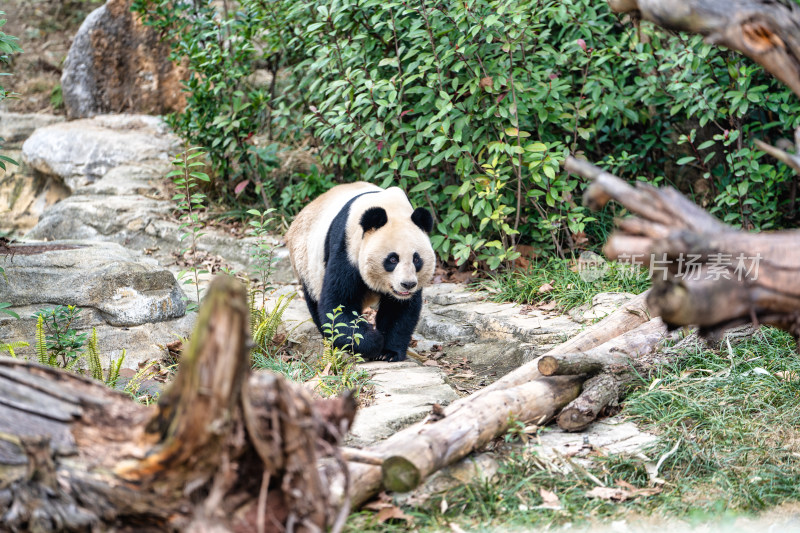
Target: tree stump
223,450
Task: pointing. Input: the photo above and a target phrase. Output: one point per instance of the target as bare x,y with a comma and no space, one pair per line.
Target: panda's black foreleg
347,326
396,319
347,323
313,307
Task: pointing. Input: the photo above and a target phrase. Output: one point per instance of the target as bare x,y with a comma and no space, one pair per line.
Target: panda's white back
306,235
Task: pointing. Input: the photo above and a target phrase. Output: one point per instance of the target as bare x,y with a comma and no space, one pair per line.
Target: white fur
366,251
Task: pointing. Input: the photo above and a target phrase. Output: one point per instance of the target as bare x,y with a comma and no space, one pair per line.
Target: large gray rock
126,288
16,127
117,208
127,206
83,151
116,64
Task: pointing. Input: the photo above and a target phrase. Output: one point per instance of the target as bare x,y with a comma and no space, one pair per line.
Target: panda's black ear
374,218
422,218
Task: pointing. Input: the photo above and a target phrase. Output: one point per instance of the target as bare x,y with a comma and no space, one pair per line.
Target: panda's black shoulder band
374,218
423,219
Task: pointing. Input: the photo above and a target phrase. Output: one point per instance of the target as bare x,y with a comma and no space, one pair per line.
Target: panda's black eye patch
417,261
391,262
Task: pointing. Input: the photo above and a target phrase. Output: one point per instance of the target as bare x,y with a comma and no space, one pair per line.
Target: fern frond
93,357
41,345
132,387
72,363
268,323
11,346
113,370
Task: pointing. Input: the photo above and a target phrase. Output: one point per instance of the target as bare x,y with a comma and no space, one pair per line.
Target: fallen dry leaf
549,306
787,375
550,500
545,287
392,513
382,500
522,263
609,493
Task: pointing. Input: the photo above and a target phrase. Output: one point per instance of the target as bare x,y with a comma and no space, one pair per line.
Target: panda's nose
409,284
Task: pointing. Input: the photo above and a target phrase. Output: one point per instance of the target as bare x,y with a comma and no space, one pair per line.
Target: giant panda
357,245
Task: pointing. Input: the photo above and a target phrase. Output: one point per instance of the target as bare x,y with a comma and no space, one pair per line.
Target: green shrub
472,105
58,343
225,109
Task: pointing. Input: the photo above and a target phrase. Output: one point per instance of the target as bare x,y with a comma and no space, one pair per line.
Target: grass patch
737,416
335,369
563,282
736,420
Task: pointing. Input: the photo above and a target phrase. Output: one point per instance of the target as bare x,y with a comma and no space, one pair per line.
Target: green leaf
425,185
707,144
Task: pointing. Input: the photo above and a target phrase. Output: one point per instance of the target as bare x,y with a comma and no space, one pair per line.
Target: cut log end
548,365
569,364
400,474
574,420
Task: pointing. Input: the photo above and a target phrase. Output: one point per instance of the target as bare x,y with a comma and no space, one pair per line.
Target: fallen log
222,450
414,453
614,365
629,316
598,392
409,456
629,347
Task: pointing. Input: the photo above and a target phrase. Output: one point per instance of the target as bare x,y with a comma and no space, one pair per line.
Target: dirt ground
45,29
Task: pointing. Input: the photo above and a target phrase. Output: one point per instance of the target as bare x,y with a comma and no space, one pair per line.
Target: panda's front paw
393,357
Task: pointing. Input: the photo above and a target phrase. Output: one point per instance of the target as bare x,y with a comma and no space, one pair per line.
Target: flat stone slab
16,127
126,288
81,152
126,206
494,338
404,393
491,320
613,435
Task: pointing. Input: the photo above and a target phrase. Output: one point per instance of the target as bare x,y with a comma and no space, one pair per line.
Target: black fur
313,307
423,219
418,262
396,319
374,218
391,262
343,286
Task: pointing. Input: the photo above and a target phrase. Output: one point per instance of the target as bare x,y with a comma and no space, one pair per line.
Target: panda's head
395,256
